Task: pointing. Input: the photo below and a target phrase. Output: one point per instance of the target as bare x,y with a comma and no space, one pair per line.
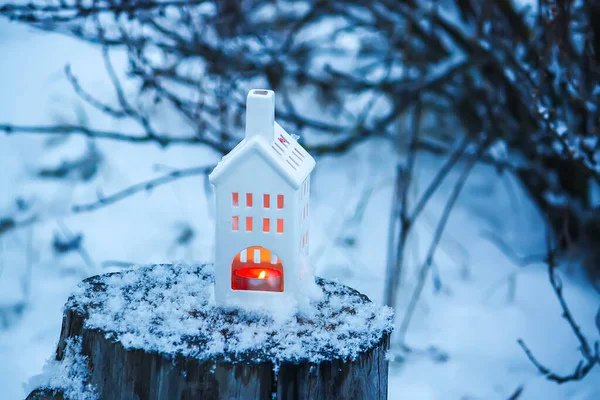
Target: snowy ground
464,335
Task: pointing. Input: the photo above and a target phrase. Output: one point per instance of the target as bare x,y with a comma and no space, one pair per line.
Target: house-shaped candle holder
262,204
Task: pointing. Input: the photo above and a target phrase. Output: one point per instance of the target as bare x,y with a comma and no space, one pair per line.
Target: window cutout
248,224
280,201
306,239
257,268
279,225
266,201
256,256
235,223
248,199
266,225
235,199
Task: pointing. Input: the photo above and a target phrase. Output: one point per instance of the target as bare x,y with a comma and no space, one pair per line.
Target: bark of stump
120,373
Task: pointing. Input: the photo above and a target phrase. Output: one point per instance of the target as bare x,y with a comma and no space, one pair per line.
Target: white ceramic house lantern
262,195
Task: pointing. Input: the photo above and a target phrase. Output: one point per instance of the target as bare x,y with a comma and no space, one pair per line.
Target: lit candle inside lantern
258,278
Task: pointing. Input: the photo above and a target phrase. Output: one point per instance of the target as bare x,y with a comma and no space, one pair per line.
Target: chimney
260,114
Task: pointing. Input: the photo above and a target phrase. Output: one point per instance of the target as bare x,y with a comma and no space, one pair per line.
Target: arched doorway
257,268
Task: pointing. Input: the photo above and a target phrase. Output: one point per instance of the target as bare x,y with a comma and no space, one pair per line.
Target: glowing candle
258,278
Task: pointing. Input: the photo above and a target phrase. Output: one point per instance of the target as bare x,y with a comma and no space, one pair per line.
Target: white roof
285,155
266,138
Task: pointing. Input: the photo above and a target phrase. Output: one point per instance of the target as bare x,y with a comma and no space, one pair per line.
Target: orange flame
262,274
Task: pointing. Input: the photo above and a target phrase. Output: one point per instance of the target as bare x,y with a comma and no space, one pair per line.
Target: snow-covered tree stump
154,332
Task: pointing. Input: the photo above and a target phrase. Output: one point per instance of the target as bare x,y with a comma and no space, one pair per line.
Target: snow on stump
154,332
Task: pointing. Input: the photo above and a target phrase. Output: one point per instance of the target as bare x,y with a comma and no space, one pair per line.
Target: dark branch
163,140
591,356
141,187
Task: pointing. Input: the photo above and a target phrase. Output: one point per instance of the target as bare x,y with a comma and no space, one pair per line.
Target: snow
556,199
170,309
67,376
463,336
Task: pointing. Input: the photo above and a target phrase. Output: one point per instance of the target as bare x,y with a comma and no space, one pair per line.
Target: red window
266,201
280,201
266,225
235,199
248,199
235,223
279,225
248,224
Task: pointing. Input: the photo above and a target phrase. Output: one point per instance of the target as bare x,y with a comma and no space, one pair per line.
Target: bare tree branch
162,140
424,269
591,355
400,222
141,187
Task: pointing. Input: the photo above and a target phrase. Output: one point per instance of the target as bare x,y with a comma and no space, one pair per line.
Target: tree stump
153,332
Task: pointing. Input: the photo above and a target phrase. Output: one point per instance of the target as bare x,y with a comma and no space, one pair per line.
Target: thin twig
440,176
400,224
90,99
517,393
30,12
510,253
591,356
141,187
424,269
65,129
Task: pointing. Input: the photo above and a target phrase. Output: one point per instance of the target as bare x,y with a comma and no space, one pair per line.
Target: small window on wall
248,224
235,199
266,200
266,225
248,199
235,223
280,201
279,225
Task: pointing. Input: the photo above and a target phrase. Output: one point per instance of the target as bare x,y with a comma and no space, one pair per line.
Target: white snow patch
68,375
557,199
170,309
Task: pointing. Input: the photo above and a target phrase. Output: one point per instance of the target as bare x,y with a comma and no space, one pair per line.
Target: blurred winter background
456,179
